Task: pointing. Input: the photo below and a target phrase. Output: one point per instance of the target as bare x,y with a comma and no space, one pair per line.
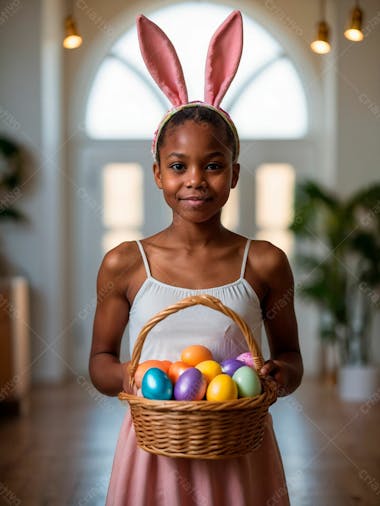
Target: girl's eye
177,166
214,166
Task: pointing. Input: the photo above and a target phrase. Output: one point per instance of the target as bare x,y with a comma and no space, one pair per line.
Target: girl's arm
108,375
280,323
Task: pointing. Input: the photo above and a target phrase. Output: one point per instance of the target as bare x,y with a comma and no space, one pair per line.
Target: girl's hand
125,369
126,376
280,372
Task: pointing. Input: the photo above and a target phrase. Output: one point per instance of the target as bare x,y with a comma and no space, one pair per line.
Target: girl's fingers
125,366
269,368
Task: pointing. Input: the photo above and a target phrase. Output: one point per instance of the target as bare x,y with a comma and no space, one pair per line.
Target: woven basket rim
267,395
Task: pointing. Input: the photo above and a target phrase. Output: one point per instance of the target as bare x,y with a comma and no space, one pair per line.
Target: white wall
43,250
358,76
30,92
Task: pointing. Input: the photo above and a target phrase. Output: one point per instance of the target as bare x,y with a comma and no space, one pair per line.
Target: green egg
247,381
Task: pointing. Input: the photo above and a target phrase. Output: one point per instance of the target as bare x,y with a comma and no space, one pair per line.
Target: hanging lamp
72,39
354,29
321,44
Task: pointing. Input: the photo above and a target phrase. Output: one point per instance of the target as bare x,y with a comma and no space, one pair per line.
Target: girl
196,150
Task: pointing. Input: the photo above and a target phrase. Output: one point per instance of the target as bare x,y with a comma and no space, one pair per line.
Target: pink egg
246,357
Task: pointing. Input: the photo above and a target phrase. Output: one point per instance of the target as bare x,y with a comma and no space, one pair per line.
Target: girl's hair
198,114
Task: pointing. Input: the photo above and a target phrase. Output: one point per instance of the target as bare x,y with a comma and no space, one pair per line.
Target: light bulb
321,44
354,30
72,38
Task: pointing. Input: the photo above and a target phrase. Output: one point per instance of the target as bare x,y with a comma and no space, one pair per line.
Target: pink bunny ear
162,61
223,58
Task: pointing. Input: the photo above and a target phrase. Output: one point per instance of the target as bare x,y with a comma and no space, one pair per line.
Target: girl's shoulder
269,261
266,252
120,263
121,256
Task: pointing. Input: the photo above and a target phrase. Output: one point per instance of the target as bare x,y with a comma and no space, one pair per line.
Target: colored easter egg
222,388
209,369
144,366
176,369
156,385
248,381
195,354
166,365
231,365
190,386
246,357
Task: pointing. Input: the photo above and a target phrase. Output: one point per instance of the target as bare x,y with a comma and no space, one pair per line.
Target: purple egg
246,357
190,386
231,365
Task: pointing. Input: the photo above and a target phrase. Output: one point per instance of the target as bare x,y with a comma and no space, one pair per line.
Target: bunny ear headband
222,62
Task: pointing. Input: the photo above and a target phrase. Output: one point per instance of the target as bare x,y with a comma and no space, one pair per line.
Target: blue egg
156,385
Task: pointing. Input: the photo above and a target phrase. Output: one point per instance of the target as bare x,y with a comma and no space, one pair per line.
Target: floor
61,454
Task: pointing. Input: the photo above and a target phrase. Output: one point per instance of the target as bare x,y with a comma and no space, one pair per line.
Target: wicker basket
199,429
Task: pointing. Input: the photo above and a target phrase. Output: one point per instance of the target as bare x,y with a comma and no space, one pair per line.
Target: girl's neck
196,235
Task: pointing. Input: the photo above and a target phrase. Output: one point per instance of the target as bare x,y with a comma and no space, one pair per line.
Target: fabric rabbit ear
162,61
223,58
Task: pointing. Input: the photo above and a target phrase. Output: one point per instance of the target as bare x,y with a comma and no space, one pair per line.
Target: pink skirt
140,478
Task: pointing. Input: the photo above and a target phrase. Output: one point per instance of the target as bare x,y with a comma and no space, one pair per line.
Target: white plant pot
358,382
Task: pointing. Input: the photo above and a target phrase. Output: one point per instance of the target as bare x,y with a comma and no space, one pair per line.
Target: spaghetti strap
145,260
245,256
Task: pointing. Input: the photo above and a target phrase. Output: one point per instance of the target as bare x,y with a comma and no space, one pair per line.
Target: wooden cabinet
15,360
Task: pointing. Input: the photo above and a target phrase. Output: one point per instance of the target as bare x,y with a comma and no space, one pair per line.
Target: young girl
196,150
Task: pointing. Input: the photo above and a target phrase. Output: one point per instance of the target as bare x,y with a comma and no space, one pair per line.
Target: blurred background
76,125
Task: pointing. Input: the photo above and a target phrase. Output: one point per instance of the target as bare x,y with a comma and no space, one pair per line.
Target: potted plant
14,343
11,171
340,254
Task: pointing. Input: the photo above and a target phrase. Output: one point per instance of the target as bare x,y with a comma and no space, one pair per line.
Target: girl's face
196,172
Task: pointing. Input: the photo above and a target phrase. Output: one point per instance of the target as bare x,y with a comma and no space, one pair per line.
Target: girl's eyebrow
208,155
215,153
176,155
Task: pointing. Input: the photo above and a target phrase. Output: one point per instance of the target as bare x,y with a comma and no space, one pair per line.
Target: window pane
273,106
127,104
123,195
274,204
274,195
120,105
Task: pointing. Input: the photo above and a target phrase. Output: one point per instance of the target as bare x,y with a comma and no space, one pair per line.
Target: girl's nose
195,178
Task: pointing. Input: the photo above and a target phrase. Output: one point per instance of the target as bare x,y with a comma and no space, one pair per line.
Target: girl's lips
195,201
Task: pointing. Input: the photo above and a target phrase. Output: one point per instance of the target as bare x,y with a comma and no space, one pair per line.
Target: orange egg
166,364
144,366
195,354
176,369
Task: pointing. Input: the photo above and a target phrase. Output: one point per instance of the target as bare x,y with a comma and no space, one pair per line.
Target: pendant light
354,30
321,44
72,38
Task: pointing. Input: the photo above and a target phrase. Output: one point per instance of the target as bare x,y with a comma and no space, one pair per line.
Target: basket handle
193,300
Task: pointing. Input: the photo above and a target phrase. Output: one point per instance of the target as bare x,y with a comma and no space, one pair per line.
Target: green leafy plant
10,179
339,252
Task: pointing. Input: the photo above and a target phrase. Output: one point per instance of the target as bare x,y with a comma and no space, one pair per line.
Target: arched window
266,98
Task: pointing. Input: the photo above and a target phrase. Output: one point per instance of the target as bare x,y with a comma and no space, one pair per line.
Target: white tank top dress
197,324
